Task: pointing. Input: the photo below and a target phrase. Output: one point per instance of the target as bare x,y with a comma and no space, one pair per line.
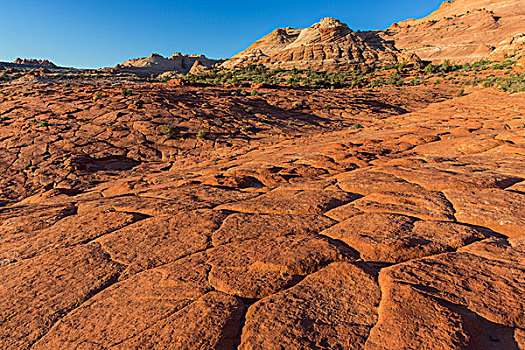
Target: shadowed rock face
325,46
460,30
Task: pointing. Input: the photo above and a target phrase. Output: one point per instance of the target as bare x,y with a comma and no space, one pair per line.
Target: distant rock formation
156,64
511,48
35,62
460,30
325,46
197,68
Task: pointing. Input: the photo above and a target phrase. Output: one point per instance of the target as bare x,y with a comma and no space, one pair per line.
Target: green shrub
395,79
126,92
169,131
356,126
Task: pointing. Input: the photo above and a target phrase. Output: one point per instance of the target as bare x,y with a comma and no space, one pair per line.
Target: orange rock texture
463,31
124,227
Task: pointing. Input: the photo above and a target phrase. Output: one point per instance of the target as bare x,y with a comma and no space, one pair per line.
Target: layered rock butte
156,64
460,30
35,62
325,46
191,217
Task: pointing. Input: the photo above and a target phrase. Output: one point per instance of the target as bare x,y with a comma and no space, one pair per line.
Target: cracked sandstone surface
282,227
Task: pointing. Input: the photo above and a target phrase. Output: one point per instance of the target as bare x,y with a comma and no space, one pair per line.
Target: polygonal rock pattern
162,239
167,200
502,211
204,196
424,205
72,230
433,178
127,309
29,219
365,181
472,298
282,201
211,322
35,293
410,319
122,227
257,268
396,238
136,204
334,308
241,226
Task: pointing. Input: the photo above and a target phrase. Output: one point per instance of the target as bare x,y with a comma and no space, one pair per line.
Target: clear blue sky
97,33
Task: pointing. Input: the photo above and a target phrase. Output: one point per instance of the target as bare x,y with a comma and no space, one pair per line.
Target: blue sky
96,33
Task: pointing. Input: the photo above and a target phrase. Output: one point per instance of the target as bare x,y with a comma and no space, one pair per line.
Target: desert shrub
126,92
395,79
504,64
513,83
377,82
169,131
430,68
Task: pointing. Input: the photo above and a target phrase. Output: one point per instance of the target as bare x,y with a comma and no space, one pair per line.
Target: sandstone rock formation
460,30
156,64
197,68
35,62
327,45
512,48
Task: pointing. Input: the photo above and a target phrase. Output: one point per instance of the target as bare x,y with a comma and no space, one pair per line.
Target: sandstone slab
334,308
472,298
396,238
126,310
501,211
425,205
257,268
70,231
211,322
242,226
36,293
282,201
162,239
367,181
